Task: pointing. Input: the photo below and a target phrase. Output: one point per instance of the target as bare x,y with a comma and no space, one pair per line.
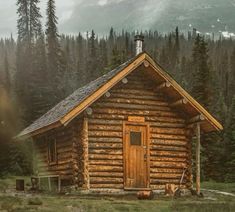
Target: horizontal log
167,125
160,164
105,145
105,122
129,106
133,91
105,134
138,97
106,174
167,159
135,112
63,175
59,162
95,168
168,153
105,127
165,175
162,86
104,140
162,187
106,151
65,149
66,166
165,119
105,156
109,116
195,119
168,131
137,101
166,136
166,181
105,180
106,162
179,102
169,142
168,148
166,170
106,186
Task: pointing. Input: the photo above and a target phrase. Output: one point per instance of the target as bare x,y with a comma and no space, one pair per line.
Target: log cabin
130,129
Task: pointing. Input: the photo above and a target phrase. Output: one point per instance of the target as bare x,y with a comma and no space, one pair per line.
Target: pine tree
93,65
56,63
34,20
201,72
7,77
23,60
230,144
177,41
231,78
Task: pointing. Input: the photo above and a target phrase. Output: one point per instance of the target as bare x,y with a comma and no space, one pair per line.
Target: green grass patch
64,203
226,187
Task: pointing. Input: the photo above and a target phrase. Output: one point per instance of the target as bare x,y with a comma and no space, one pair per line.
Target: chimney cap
139,37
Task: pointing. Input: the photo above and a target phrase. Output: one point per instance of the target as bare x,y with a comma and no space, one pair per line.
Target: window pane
135,138
52,150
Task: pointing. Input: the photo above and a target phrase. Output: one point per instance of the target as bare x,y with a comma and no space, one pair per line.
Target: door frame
147,152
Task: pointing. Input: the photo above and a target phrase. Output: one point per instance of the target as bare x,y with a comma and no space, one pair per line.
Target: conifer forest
42,66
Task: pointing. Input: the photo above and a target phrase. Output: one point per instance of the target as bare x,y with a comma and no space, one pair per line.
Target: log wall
65,166
100,164
169,137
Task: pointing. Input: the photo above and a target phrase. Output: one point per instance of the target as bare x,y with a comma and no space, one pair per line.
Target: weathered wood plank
105,157
105,145
105,134
95,168
170,164
105,180
106,162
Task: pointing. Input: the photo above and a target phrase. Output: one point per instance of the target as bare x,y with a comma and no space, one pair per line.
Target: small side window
52,151
135,138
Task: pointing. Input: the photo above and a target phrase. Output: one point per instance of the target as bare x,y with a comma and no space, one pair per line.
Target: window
52,152
135,138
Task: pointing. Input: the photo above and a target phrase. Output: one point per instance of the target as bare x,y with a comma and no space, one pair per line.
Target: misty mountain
163,15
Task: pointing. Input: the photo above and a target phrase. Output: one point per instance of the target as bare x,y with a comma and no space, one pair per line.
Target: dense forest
40,68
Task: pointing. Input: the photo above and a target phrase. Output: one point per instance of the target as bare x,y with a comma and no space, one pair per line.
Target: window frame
49,140
139,133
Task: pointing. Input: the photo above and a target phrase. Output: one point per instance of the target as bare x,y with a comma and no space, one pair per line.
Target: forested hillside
41,68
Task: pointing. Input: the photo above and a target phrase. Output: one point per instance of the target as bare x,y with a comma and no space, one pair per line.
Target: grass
227,187
17,202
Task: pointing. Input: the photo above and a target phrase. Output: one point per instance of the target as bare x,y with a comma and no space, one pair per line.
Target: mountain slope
163,15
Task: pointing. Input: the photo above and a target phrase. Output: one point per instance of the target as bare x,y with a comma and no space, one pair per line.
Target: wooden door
136,156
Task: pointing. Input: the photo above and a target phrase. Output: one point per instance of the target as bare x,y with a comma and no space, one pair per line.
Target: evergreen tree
231,80
23,60
93,64
56,63
34,20
201,72
230,144
7,78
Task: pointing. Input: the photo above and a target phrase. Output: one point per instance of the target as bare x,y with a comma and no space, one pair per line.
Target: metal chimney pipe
139,39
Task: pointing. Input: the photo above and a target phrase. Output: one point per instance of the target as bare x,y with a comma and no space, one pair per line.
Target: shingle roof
69,103
80,99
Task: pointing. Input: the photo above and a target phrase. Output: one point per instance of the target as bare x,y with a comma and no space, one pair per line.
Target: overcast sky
83,15
8,14
164,15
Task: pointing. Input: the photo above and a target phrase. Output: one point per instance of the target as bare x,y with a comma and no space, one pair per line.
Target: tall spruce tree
230,144
201,72
7,77
23,60
93,65
55,60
